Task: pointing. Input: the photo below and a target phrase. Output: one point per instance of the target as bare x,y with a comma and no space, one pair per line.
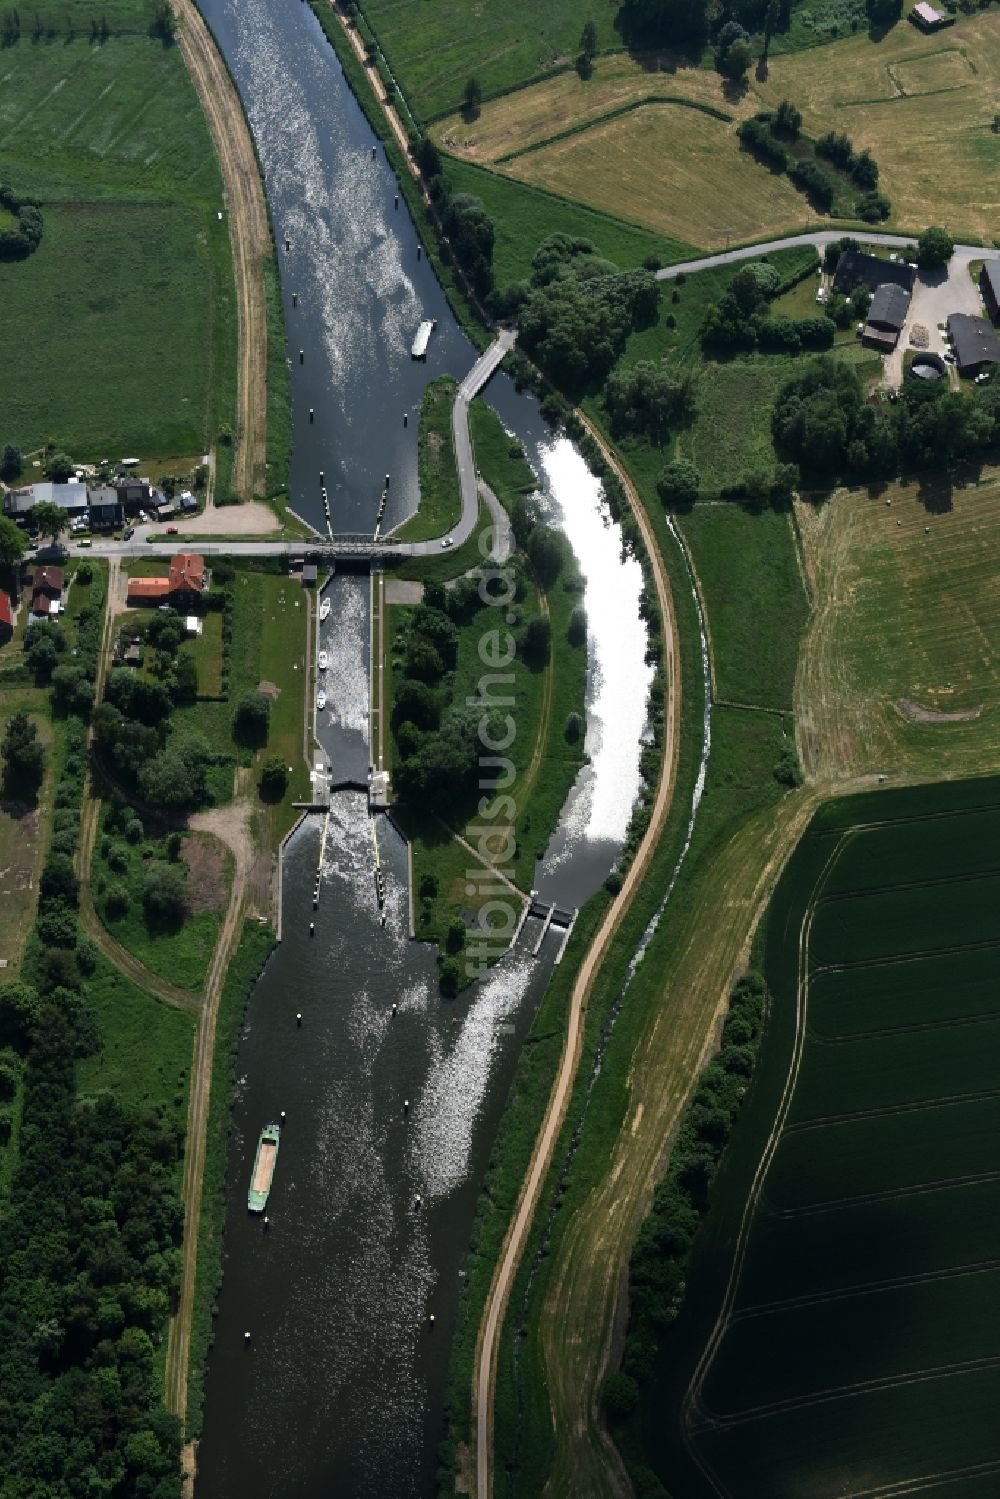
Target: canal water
341,1389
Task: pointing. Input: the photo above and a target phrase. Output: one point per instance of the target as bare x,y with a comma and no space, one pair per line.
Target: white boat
324,609
423,338
322,661
321,699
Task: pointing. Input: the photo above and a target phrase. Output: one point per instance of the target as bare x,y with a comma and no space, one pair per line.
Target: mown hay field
857,1348
675,169
899,672
121,327
923,105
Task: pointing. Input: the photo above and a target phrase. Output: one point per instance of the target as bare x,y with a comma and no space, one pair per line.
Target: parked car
448,541
171,530
84,541
128,533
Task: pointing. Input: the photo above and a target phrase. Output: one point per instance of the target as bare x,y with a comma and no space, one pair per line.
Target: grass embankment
755,598
443,566
133,256
892,678
24,829
893,1090
179,949
543,697
256,945
440,506
279,400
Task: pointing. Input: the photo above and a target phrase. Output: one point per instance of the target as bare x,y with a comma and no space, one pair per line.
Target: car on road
448,541
84,541
128,533
171,530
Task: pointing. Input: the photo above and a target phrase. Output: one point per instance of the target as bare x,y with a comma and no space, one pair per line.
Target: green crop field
851,1336
121,326
755,599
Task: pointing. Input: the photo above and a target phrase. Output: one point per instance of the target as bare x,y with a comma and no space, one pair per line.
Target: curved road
820,237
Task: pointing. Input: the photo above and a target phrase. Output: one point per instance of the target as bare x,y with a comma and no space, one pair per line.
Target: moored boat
324,609
322,660
321,699
263,1167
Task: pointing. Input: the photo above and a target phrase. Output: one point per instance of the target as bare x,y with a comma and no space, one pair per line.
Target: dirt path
231,825
484,1376
250,236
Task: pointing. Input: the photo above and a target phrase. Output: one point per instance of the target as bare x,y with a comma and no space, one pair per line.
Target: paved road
820,237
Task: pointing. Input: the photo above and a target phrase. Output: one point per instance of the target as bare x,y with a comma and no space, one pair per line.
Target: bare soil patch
208,871
269,689
918,714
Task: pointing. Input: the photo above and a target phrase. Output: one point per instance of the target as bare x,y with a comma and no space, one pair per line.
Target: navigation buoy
395,200
282,1116
406,417
395,1008
373,153
246,1338
406,1110
418,1200
430,1319
419,252
288,243
312,928
302,356
298,1018
267,1223
311,413
295,299
322,476
387,481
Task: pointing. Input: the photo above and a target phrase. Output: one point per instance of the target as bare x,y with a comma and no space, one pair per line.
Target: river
341,1388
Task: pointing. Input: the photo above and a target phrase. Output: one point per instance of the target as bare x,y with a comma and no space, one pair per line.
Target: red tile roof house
6,618
187,573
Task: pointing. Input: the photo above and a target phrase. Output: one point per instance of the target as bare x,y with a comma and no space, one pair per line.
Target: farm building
133,493
855,268
989,285
926,18
17,503
975,343
6,618
71,497
187,573
148,590
886,317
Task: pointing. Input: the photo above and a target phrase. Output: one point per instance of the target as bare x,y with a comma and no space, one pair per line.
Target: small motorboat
324,609
322,661
321,699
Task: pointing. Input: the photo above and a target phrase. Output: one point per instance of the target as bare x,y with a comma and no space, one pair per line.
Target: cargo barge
263,1168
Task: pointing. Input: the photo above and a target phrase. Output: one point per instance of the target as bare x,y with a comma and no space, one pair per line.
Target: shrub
574,728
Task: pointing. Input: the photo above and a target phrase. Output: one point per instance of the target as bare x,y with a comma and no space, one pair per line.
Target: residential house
6,618
107,512
975,343
133,493
71,496
886,317
187,576
188,501
855,268
46,590
17,503
989,285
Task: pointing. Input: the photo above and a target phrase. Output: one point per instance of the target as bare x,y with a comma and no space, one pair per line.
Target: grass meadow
923,105
524,215
435,46
859,1348
122,325
754,596
24,830
440,497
